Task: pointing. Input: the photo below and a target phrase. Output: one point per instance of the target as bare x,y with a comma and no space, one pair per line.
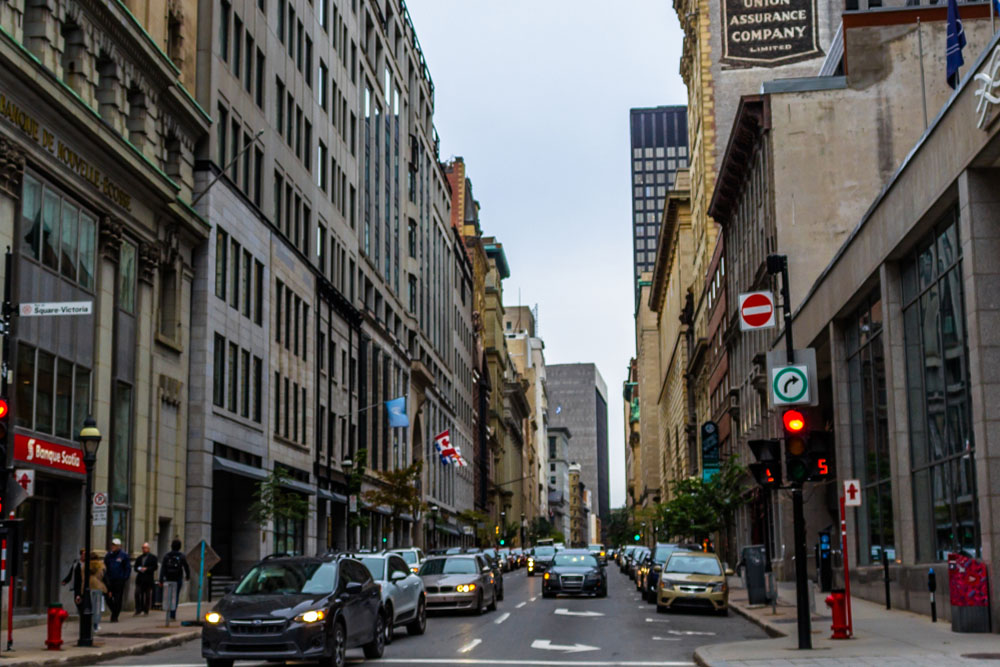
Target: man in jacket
75,578
174,568
145,578
118,569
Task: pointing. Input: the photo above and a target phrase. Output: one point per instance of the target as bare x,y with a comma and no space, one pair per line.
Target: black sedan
575,572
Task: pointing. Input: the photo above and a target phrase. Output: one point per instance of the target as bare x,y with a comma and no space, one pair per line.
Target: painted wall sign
769,33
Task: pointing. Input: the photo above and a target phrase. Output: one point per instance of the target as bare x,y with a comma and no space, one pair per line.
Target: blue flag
954,43
397,412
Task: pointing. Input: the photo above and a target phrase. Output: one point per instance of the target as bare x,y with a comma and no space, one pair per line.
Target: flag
449,454
397,412
954,44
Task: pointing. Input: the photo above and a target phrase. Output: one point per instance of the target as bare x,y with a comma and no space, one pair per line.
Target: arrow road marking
502,618
547,645
520,604
567,612
471,645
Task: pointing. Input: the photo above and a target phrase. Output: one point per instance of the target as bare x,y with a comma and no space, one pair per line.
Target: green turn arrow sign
790,385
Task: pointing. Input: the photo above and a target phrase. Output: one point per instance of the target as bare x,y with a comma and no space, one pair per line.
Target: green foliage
620,526
271,500
557,536
539,528
697,509
398,491
476,519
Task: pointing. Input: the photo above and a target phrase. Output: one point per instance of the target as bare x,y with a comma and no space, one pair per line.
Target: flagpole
923,86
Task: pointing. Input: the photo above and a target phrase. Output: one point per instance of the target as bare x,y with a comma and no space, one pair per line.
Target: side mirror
353,588
398,576
729,572
487,570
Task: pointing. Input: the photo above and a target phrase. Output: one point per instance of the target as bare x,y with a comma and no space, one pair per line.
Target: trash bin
754,568
970,598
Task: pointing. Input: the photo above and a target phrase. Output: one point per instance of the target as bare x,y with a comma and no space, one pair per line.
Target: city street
529,630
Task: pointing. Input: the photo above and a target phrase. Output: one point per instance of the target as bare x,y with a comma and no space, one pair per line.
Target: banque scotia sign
769,33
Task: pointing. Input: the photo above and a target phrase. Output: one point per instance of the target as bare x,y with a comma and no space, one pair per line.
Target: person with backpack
175,568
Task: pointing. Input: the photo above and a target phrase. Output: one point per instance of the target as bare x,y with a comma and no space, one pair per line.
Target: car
413,557
297,608
518,555
451,551
651,573
540,559
575,572
463,582
623,557
494,560
635,561
693,578
599,552
403,596
508,559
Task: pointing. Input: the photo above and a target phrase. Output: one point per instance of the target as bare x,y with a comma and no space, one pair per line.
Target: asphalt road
529,630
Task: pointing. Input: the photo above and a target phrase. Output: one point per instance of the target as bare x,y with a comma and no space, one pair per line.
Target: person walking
118,569
145,579
75,578
175,568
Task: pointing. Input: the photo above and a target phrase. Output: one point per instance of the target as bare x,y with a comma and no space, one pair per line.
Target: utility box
825,565
754,569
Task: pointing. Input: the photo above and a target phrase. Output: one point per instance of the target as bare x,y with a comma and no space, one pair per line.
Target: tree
398,491
697,509
539,528
477,520
272,501
620,527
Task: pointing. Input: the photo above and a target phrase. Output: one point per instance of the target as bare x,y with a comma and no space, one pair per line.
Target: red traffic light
795,422
3,408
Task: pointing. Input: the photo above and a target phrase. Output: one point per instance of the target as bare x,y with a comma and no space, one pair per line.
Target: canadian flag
448,453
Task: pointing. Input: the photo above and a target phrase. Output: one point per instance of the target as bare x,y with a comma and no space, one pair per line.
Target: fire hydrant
56,616
837,603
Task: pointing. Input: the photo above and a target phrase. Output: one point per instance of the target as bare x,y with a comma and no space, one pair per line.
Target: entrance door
38,584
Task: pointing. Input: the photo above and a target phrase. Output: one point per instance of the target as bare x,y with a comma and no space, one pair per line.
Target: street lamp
90,438
434,518
523,526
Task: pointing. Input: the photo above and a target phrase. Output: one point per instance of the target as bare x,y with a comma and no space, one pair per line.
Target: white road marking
666,639
502,618
567,612
657,620
520,604
530,663
691,632
547,645
534,598
471,645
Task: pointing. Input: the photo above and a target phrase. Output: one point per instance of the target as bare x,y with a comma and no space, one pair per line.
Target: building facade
558,479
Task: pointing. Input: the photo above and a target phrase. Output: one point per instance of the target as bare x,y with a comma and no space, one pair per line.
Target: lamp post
348,466
523,526
90,437
434,518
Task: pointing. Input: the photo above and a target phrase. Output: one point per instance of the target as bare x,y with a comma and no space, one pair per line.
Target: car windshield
575,560
408,556
596,547
663,553
693,565
288,578
453,550
375,565
490,552
544,552
449,566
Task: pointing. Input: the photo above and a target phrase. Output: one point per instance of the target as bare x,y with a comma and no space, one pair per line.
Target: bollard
885,578
931,588
169,599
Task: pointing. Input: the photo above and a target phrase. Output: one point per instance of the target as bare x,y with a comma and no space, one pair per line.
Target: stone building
97,152
649,454
558,479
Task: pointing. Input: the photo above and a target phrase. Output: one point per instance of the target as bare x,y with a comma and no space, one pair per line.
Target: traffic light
767,470
4,418
820,456
502,541
637,537
496,530
797,463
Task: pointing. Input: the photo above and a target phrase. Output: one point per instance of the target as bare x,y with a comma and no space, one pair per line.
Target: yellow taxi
693,579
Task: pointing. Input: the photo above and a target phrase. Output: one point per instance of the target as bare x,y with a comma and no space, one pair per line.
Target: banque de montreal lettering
30,126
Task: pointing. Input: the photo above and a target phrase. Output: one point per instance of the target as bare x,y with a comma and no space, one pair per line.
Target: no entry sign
756,311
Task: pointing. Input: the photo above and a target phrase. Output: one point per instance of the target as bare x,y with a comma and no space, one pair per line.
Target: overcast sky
535,95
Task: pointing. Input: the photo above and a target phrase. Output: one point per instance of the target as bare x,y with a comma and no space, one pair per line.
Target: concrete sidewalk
132,635
881,637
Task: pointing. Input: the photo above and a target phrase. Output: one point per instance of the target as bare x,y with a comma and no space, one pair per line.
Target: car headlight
311,616
666,584
213,618
719,587
531,562
546,576
465,588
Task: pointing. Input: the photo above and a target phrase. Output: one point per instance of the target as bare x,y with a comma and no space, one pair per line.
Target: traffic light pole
6,310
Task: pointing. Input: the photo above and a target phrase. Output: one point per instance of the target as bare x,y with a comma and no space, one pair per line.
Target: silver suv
403,596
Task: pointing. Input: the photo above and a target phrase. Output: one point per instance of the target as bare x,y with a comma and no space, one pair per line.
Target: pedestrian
118,569
175,568
75,578
145,578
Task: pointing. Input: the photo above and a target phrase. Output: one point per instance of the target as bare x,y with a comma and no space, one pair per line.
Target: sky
535,96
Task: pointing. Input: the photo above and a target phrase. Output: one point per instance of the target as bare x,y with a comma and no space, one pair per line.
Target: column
145,464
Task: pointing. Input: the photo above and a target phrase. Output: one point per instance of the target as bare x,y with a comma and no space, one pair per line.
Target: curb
109,654
772,630
699,660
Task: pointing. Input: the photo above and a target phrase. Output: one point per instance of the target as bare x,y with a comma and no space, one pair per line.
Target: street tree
398,490
273,501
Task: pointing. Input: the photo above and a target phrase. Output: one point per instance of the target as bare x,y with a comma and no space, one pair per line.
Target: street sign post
790,385
852,493
55,308
100,514
756,311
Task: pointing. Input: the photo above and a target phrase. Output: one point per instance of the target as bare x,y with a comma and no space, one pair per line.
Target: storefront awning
296,485
332,495
406,517
451,530
235,468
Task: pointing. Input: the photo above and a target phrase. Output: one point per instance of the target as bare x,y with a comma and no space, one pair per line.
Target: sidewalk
132,635
881,637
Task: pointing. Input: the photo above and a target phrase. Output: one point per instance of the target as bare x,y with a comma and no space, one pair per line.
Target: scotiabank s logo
31,449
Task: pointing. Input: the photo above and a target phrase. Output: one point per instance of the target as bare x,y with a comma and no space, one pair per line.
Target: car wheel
219,662
493,603
724,611
390,627
338,648
603,593
418,625
376,647
547,594
480,603
661,609
499,595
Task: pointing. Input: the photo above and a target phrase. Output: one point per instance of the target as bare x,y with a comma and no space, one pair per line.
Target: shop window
942,449
289,535
126,278
870,431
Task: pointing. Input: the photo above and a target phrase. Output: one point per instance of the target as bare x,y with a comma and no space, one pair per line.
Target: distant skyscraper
659,149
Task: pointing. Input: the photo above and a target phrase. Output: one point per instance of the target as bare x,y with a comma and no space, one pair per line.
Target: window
237,45
279,105
286,420
289,535
60,233
870,431
245,383
224,31
279,290
234,279
234,368
248,75
258,177
258,387
321,74
234,149
120,459
219,372
308,63
126,278
307,146
279,187
281,21
277,403
53,394
259,92
258,301
247,277
942,449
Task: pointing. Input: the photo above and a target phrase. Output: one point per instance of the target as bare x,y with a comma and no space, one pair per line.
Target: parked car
651,574
599,553
297,608
540,560
575,572
506,559
519,556
635,562
403,596
623,557
463,582
493,558
693,578
413,557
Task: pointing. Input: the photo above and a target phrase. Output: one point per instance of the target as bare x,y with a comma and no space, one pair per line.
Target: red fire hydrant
56,616
837,603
